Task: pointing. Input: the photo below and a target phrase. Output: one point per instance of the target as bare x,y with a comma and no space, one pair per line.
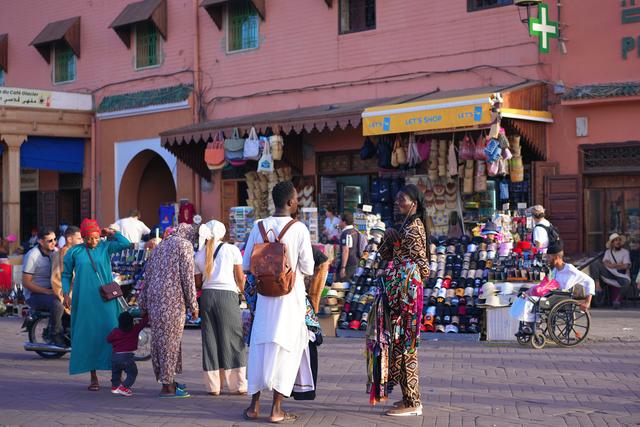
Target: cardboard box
329,324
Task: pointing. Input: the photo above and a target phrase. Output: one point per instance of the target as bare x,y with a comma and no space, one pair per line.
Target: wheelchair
559,318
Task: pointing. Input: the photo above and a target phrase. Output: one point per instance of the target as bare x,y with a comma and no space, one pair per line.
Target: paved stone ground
463,384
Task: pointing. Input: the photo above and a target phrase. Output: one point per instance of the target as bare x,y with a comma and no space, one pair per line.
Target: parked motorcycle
37,326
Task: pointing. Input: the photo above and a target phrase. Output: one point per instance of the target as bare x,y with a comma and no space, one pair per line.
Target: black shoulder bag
109,291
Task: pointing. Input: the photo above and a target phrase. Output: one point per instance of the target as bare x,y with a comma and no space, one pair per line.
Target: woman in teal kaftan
91,317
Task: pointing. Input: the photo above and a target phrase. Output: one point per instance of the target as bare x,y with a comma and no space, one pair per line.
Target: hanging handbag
503,167
480,146
452,160
368,150
109,291
252,146
424,148
399,155
467,148
492,168
214,153
384,153
413,157
276,143
234,148
265,164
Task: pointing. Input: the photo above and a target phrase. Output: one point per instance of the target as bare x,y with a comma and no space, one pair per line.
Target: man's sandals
286,419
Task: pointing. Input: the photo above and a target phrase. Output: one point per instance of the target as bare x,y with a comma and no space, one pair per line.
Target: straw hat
615,236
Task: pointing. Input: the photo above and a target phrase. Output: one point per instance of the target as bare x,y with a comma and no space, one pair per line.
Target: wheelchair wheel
568,323
538,340
523,339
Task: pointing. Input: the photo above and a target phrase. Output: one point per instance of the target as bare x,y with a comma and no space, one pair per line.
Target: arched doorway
146,183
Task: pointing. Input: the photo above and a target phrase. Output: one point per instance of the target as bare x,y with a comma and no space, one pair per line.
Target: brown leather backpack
270,265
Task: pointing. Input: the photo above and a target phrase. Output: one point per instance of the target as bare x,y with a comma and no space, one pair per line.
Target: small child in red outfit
124,340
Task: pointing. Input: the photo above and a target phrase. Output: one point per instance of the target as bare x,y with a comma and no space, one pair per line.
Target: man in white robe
279,334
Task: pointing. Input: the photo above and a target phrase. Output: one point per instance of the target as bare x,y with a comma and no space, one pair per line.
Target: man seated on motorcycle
36,279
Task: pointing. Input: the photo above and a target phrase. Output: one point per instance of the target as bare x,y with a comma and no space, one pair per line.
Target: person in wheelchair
568,278
36,279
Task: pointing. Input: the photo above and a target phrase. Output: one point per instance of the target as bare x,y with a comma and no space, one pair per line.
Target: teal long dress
91,317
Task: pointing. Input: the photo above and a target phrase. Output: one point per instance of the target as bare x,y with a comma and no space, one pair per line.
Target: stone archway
146,183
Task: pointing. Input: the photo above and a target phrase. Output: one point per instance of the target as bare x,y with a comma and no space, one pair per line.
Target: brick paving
463,384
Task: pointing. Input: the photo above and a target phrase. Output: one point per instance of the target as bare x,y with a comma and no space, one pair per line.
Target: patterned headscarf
185,231
89,226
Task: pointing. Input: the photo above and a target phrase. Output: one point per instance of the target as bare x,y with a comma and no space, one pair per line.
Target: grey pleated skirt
222,342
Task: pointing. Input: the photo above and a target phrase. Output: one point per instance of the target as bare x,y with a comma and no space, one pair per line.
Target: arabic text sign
33,98
15,97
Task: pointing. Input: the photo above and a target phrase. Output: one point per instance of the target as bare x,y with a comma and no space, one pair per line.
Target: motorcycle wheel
144,346
37,336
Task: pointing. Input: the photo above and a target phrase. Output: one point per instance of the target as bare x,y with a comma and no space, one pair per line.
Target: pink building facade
247,59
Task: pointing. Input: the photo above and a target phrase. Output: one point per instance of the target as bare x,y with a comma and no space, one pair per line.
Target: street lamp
526,4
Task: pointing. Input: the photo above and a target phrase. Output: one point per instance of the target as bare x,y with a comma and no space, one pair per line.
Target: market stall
473,175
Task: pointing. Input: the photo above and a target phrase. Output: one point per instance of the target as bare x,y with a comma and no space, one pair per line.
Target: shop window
64,63
357,15
1,77
473,5
147,45
243,26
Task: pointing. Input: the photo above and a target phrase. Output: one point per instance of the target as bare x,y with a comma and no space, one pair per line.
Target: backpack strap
285,229
215,254
263,232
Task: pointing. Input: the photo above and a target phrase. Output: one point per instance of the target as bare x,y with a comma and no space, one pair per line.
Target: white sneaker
415,411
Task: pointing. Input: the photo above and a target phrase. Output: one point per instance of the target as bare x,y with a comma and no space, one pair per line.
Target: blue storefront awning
56,154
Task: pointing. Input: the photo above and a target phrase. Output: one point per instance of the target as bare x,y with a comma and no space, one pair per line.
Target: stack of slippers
433,162
257,195
467,185
442,158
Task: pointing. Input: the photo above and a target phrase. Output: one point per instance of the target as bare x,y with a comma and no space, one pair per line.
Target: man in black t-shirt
350,247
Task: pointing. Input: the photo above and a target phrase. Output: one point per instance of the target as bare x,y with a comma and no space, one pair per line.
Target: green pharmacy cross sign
543,28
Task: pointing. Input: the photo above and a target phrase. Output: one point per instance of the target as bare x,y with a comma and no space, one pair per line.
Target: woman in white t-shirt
331,230
219,273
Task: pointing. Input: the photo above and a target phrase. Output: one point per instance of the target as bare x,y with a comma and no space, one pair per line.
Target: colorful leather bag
214,155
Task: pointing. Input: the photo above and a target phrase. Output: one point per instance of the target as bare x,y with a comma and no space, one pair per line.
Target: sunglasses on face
51,240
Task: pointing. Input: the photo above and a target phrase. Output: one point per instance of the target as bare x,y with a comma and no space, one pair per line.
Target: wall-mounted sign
29,179
33,98
630,14
543,28
460,112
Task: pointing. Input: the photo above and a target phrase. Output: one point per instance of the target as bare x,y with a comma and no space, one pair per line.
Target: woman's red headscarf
89,226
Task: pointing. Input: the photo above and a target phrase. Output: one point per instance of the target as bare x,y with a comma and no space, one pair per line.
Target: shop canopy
188,143
67,31
154,11
452,110
56,154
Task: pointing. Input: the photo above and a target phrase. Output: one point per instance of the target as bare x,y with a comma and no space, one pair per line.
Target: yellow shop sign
451,113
